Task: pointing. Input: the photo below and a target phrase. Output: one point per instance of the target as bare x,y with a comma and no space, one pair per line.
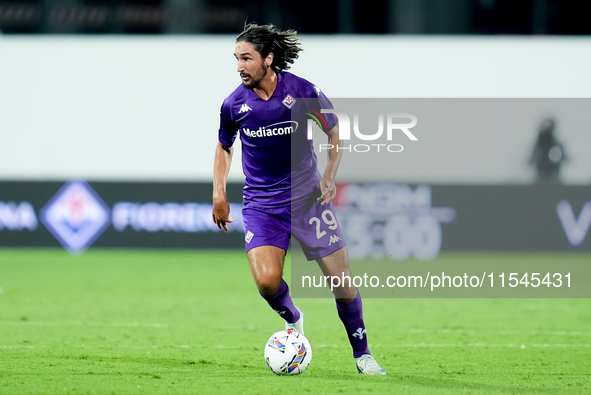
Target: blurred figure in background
548,154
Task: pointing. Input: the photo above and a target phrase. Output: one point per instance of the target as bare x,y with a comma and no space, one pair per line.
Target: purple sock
352,316
282,304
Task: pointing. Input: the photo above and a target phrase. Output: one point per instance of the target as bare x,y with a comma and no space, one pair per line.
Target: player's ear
269,60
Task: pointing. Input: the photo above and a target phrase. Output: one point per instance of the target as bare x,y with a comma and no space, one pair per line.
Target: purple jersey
273,135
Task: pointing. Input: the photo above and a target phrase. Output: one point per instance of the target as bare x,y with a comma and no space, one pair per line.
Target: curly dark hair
267,39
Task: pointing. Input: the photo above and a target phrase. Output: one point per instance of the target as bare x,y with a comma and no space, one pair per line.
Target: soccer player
283,196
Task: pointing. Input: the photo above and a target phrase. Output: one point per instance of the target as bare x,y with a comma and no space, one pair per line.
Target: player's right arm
327,182
221,168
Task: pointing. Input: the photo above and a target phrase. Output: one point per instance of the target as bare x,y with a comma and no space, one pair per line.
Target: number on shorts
328,218
332,221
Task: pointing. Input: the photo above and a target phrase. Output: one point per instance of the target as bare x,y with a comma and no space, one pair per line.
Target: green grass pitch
187,322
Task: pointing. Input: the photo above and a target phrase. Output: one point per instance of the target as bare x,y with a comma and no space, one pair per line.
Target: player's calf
282,304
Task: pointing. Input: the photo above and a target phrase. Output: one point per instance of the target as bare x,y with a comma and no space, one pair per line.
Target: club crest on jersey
288,101
249,236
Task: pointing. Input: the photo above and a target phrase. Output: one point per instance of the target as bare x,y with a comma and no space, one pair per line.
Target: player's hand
220,213
328,189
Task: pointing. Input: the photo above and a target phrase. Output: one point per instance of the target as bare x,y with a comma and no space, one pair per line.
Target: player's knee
345,300
345,294
268,285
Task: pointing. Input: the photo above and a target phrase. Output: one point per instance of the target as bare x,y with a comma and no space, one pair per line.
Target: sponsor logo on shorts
249,236
334,239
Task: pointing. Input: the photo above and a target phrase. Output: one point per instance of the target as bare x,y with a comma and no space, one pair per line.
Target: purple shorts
314,226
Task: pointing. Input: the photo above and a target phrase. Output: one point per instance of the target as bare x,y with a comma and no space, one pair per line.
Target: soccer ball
288,352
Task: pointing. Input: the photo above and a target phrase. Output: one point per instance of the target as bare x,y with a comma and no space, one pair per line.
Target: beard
255,79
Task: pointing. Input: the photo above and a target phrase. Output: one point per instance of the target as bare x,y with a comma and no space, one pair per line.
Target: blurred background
109,111
306,16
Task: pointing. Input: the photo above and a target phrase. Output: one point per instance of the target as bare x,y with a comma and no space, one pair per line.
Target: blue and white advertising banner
77,214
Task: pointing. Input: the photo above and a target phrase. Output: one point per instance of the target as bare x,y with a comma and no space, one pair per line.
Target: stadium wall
146,108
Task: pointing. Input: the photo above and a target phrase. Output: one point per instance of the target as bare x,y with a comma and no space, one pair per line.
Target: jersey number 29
328,218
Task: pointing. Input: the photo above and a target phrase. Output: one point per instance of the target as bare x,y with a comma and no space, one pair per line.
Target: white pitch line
490,345
166,326
416,345
99,347
81,323
482,332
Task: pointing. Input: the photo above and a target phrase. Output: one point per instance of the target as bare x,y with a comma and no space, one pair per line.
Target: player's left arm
327,183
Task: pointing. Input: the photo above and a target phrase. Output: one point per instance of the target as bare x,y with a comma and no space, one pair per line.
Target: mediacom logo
276,129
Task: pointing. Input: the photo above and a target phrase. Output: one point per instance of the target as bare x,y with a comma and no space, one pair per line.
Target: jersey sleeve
228,128
324,103
318,102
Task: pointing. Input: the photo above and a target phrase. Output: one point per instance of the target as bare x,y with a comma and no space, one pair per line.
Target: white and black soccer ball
288,352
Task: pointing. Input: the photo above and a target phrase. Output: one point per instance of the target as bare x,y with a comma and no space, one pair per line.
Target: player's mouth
244,77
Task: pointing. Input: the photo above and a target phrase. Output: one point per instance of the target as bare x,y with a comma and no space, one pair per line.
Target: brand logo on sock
279,312
249,236
359,333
